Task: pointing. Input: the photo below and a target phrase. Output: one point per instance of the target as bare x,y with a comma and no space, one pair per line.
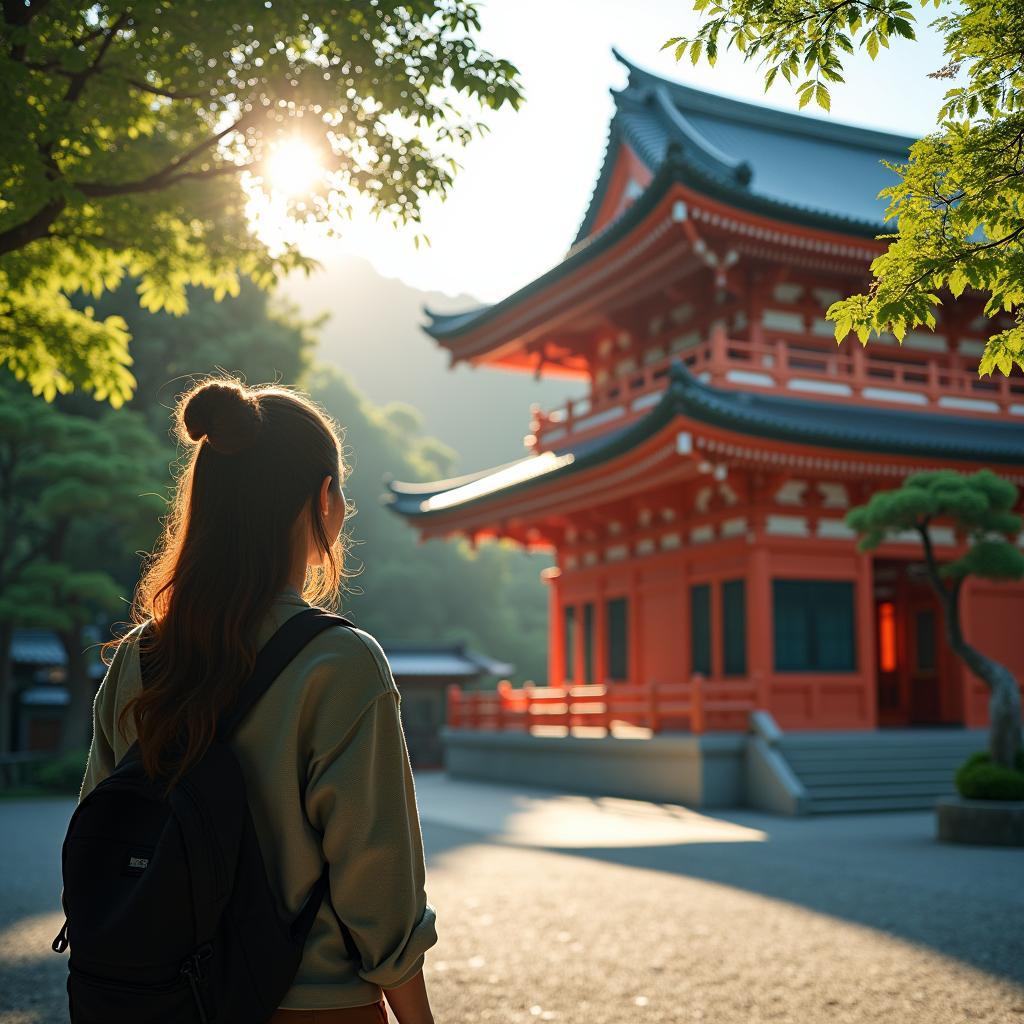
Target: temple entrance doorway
917,673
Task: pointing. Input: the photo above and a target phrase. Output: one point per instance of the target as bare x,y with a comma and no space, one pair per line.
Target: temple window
588,642
618,636
734,628
700,629
569,670
813,626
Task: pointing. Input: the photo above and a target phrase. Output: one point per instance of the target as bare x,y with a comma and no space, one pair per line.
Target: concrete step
898,770
881,750
900,787
866,756
881,803
863,776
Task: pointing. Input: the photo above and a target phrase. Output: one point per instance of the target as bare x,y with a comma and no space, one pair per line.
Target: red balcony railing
788,364
697,706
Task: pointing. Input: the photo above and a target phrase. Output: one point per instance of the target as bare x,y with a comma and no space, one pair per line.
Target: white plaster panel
787,291
782,320
598,418
834,529
925,341
834,494
820,387
968,404
734,527
970,347
748,377
791,492
702,534
787,526
888,395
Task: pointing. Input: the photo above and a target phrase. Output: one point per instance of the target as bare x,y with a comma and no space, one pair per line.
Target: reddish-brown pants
371,1013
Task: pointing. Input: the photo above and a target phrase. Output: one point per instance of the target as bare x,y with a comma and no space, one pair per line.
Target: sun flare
292,168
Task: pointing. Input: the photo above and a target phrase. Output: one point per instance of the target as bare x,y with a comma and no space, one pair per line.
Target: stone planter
982,822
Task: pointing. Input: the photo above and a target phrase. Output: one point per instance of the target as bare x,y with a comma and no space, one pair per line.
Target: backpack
168,909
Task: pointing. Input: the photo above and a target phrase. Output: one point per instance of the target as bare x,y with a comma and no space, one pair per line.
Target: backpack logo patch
137,863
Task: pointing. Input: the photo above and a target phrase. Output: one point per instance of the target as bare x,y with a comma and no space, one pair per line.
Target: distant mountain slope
373,332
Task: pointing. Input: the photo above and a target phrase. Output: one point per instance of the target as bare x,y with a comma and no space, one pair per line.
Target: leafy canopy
135,135
980,506
959,203
74,487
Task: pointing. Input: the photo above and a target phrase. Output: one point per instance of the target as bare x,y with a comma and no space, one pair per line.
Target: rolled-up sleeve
361,798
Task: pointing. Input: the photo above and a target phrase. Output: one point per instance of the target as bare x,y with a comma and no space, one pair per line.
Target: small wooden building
424,673
39,697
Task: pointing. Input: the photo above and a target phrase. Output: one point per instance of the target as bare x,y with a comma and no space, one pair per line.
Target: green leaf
957,282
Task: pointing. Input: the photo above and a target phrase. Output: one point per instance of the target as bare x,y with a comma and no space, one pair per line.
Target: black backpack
168,909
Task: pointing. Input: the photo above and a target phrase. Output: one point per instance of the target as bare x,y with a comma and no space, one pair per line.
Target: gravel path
599,911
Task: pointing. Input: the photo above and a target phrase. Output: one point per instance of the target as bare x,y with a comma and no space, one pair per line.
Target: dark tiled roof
791,167
812,170
410,661
831,426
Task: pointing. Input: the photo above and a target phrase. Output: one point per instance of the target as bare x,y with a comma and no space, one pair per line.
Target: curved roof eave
855,428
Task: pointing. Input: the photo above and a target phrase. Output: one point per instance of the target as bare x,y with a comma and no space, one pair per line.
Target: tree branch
155,182
34,228
166,177
79,79
38,225
170,94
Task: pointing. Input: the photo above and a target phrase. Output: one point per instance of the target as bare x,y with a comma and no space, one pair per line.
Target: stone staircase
884,770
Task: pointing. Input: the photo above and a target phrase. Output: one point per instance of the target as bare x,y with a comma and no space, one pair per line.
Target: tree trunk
76,732
6,678
1004,737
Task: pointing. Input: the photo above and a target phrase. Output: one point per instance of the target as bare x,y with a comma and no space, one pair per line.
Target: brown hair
255,458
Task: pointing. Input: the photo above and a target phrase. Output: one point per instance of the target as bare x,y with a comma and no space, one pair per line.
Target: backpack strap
273,658
271,661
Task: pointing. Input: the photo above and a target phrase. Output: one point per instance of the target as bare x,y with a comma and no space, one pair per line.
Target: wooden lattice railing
697,706
770,366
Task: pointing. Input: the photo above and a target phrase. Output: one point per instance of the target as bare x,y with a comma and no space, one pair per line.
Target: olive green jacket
328,778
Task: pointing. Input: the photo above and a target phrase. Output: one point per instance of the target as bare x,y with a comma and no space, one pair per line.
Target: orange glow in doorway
887,636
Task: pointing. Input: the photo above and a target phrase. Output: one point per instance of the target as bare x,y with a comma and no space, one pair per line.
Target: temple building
694,501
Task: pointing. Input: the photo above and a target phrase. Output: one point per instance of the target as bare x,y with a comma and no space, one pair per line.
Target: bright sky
517,203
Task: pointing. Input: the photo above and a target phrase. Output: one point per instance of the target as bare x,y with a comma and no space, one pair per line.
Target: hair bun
225,414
